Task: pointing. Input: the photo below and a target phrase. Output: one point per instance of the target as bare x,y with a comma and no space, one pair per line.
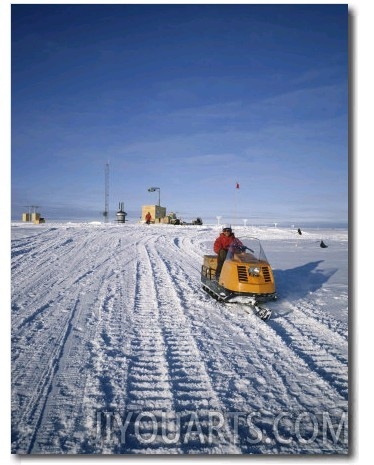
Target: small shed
157,212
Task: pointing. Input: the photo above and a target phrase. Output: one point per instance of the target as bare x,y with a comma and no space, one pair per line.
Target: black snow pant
220,259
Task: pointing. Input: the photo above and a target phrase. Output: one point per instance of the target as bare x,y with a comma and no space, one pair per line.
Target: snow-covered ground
116,349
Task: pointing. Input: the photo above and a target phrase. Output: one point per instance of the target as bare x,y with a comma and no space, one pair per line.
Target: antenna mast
106,210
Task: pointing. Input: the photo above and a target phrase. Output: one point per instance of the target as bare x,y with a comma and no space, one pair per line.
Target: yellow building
157,213
33,217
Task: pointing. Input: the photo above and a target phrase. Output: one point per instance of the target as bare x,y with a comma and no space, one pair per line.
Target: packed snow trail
117,350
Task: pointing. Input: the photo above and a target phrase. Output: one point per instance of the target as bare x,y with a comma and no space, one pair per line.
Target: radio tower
106,210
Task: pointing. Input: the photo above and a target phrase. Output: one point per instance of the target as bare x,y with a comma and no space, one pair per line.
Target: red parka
224,242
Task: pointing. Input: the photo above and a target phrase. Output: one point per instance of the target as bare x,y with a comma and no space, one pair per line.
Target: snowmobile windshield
247,249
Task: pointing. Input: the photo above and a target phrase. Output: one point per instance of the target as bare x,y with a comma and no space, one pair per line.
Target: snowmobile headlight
254,270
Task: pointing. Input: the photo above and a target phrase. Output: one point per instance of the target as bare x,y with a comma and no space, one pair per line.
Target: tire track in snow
61,416
324,351
193,394
33,371
110,350
37,375
57,368
148,388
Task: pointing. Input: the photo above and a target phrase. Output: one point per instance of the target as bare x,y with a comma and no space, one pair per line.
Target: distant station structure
32,216
121,214
157,212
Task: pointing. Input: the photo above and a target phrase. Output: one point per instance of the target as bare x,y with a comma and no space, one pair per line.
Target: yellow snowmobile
246,276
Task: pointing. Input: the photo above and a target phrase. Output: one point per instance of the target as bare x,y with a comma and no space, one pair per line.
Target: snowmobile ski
247,303
262,312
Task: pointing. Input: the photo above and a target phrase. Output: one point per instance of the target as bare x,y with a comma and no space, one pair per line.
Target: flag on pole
237,185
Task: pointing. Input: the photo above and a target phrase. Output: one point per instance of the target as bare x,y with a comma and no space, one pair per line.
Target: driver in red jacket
221,246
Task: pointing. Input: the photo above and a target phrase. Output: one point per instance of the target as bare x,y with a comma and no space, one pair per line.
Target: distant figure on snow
148,218
323,245
221,246
299,231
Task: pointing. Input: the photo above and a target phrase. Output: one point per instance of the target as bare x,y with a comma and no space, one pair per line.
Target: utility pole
106,210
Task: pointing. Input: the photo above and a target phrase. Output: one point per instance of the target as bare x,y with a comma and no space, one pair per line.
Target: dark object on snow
323,245
299,231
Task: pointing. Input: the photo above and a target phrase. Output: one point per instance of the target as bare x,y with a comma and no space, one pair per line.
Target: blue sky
188,98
